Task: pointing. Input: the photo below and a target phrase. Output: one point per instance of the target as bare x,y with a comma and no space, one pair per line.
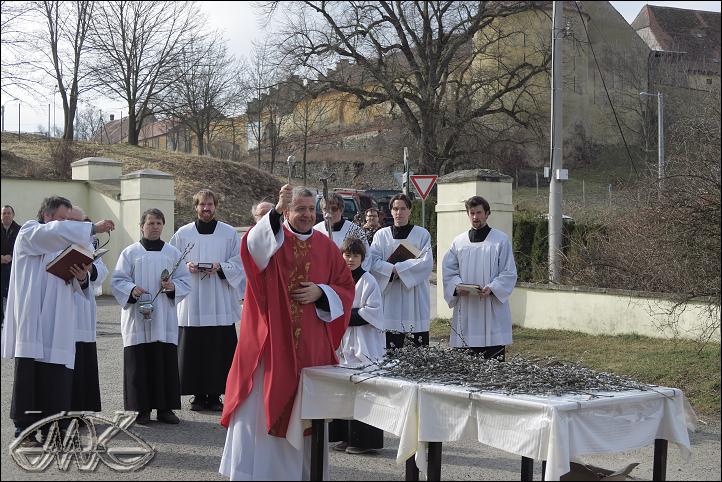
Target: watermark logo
117,447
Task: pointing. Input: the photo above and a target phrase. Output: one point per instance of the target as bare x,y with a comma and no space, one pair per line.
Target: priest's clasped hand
307,293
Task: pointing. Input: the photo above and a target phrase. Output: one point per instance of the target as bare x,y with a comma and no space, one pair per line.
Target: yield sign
423,184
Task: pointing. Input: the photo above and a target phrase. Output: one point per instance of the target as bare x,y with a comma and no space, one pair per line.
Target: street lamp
2,127
660,136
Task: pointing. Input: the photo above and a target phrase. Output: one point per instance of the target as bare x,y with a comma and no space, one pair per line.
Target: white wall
600,311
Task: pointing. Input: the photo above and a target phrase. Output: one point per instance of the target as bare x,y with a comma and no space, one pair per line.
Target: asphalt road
192,449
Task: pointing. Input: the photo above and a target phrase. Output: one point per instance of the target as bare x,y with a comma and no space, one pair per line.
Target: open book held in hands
468,288
73,254
404,251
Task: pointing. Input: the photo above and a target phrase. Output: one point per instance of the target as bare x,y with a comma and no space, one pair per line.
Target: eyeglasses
333,209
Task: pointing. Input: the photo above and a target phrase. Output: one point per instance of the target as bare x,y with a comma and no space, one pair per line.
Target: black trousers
396,339
43,389
495,351
356,434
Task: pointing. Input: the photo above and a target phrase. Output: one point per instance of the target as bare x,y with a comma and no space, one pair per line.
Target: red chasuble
286,335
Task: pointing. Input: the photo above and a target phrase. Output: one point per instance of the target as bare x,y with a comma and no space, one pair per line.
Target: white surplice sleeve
413,272
39,239
451,275
371,307
262,243
181,280
334,304
505,281
378,266
233,267
122,281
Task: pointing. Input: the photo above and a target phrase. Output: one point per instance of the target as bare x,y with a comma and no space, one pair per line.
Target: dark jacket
8,238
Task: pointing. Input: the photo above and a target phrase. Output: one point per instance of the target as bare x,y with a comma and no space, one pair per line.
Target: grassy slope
240,185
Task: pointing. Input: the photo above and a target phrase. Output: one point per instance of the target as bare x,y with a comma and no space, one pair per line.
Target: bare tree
89,122
137,46
207,90
16,70
64,37
309,116
669,243
439,63
261,77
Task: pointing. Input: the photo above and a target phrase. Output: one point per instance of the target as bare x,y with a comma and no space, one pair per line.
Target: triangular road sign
423,184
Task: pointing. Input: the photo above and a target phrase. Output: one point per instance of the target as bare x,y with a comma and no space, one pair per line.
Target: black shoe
143,418
340,447
214,404
359,451
198,403
167,416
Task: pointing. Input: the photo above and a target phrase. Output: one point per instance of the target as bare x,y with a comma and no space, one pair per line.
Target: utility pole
660,138
555,173
405,177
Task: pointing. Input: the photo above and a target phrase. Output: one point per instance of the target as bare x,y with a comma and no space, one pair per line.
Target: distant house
685,46
115,131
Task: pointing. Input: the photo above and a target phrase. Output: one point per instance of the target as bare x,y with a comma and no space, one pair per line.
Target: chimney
112,117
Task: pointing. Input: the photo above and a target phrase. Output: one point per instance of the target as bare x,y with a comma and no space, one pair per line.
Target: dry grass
238,184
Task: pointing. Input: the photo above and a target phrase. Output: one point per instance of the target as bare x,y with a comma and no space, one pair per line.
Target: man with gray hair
40,306
298,304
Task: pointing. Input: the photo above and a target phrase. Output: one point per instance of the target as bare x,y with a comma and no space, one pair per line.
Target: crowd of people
302,297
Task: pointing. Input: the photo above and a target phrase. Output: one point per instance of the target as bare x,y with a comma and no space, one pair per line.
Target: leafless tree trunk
137,47
262,76
311,110
16,72
67,26
436,62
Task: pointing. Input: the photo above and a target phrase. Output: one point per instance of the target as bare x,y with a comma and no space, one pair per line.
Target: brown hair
474,201
354,246
205,193
400,197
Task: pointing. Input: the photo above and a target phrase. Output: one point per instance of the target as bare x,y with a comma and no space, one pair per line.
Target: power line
604,84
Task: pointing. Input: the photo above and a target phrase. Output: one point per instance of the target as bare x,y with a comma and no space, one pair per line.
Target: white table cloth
555,429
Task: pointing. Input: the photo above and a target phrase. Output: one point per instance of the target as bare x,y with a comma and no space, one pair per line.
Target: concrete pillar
451,218
96,168
142,190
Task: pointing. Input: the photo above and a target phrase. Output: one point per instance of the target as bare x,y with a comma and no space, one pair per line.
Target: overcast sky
240,25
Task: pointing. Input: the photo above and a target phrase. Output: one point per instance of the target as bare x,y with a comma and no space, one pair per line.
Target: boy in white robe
483,256
207,316
150,352
40,330
363,343
404,285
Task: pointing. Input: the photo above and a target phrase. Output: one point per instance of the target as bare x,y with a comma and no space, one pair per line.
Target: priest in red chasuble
297,307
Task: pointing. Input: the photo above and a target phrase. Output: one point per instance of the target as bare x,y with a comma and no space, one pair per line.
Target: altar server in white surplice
483,256
150,351
404,285
86,381
40,327
363,343
207,316
342,228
